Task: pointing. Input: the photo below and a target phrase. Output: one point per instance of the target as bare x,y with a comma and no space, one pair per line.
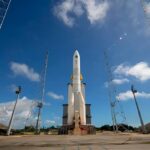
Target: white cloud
128,95
24,70
67,10
96,11
49,123
117,82
62,10
120,81
22,112
47,104
55,96
140,71
121,69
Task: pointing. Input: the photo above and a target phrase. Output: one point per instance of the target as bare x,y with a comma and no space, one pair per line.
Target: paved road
102,141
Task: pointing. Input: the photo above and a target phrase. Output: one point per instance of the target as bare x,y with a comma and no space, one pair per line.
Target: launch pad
82,129
76,118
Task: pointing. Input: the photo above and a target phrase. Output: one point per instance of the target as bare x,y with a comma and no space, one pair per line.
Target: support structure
138,109
18,91
117,111
40,104
111,93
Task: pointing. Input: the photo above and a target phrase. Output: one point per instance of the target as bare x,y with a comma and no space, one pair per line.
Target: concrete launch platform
100,141
84,129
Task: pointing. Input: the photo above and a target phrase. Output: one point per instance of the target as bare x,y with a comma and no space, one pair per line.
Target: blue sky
120,27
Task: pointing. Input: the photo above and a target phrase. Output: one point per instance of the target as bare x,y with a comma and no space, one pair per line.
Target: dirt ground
100,141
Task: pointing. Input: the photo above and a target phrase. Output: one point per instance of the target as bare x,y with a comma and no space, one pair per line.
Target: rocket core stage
76,93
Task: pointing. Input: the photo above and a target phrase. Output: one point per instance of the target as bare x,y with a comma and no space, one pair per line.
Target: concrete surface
101,141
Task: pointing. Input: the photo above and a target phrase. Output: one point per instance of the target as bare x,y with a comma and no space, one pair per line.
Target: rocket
76,95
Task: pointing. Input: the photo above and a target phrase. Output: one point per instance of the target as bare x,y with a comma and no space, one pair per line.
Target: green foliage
29,129
121,127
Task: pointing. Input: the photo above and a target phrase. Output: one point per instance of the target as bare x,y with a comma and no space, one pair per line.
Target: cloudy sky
109,32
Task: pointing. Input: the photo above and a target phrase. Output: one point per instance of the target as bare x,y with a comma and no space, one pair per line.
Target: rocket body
76,95
76,72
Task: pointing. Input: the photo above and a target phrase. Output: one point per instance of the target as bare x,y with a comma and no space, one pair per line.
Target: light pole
138,109
18,91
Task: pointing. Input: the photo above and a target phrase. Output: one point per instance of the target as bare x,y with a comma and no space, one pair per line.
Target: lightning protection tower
40,104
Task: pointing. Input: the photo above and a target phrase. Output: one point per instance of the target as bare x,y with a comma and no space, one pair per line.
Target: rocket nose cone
76,53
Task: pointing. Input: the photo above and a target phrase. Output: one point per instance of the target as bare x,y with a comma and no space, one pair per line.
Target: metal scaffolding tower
40,104
111,92
115,105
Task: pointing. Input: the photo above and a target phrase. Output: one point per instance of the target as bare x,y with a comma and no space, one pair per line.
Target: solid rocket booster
76,100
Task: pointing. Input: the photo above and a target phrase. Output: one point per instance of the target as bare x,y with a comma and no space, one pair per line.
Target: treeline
33,129
107,127
121,127
29,129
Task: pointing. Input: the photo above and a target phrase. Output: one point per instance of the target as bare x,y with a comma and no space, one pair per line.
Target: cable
3,10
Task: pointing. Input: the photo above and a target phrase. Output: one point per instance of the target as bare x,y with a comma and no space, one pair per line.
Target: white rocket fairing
76,93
